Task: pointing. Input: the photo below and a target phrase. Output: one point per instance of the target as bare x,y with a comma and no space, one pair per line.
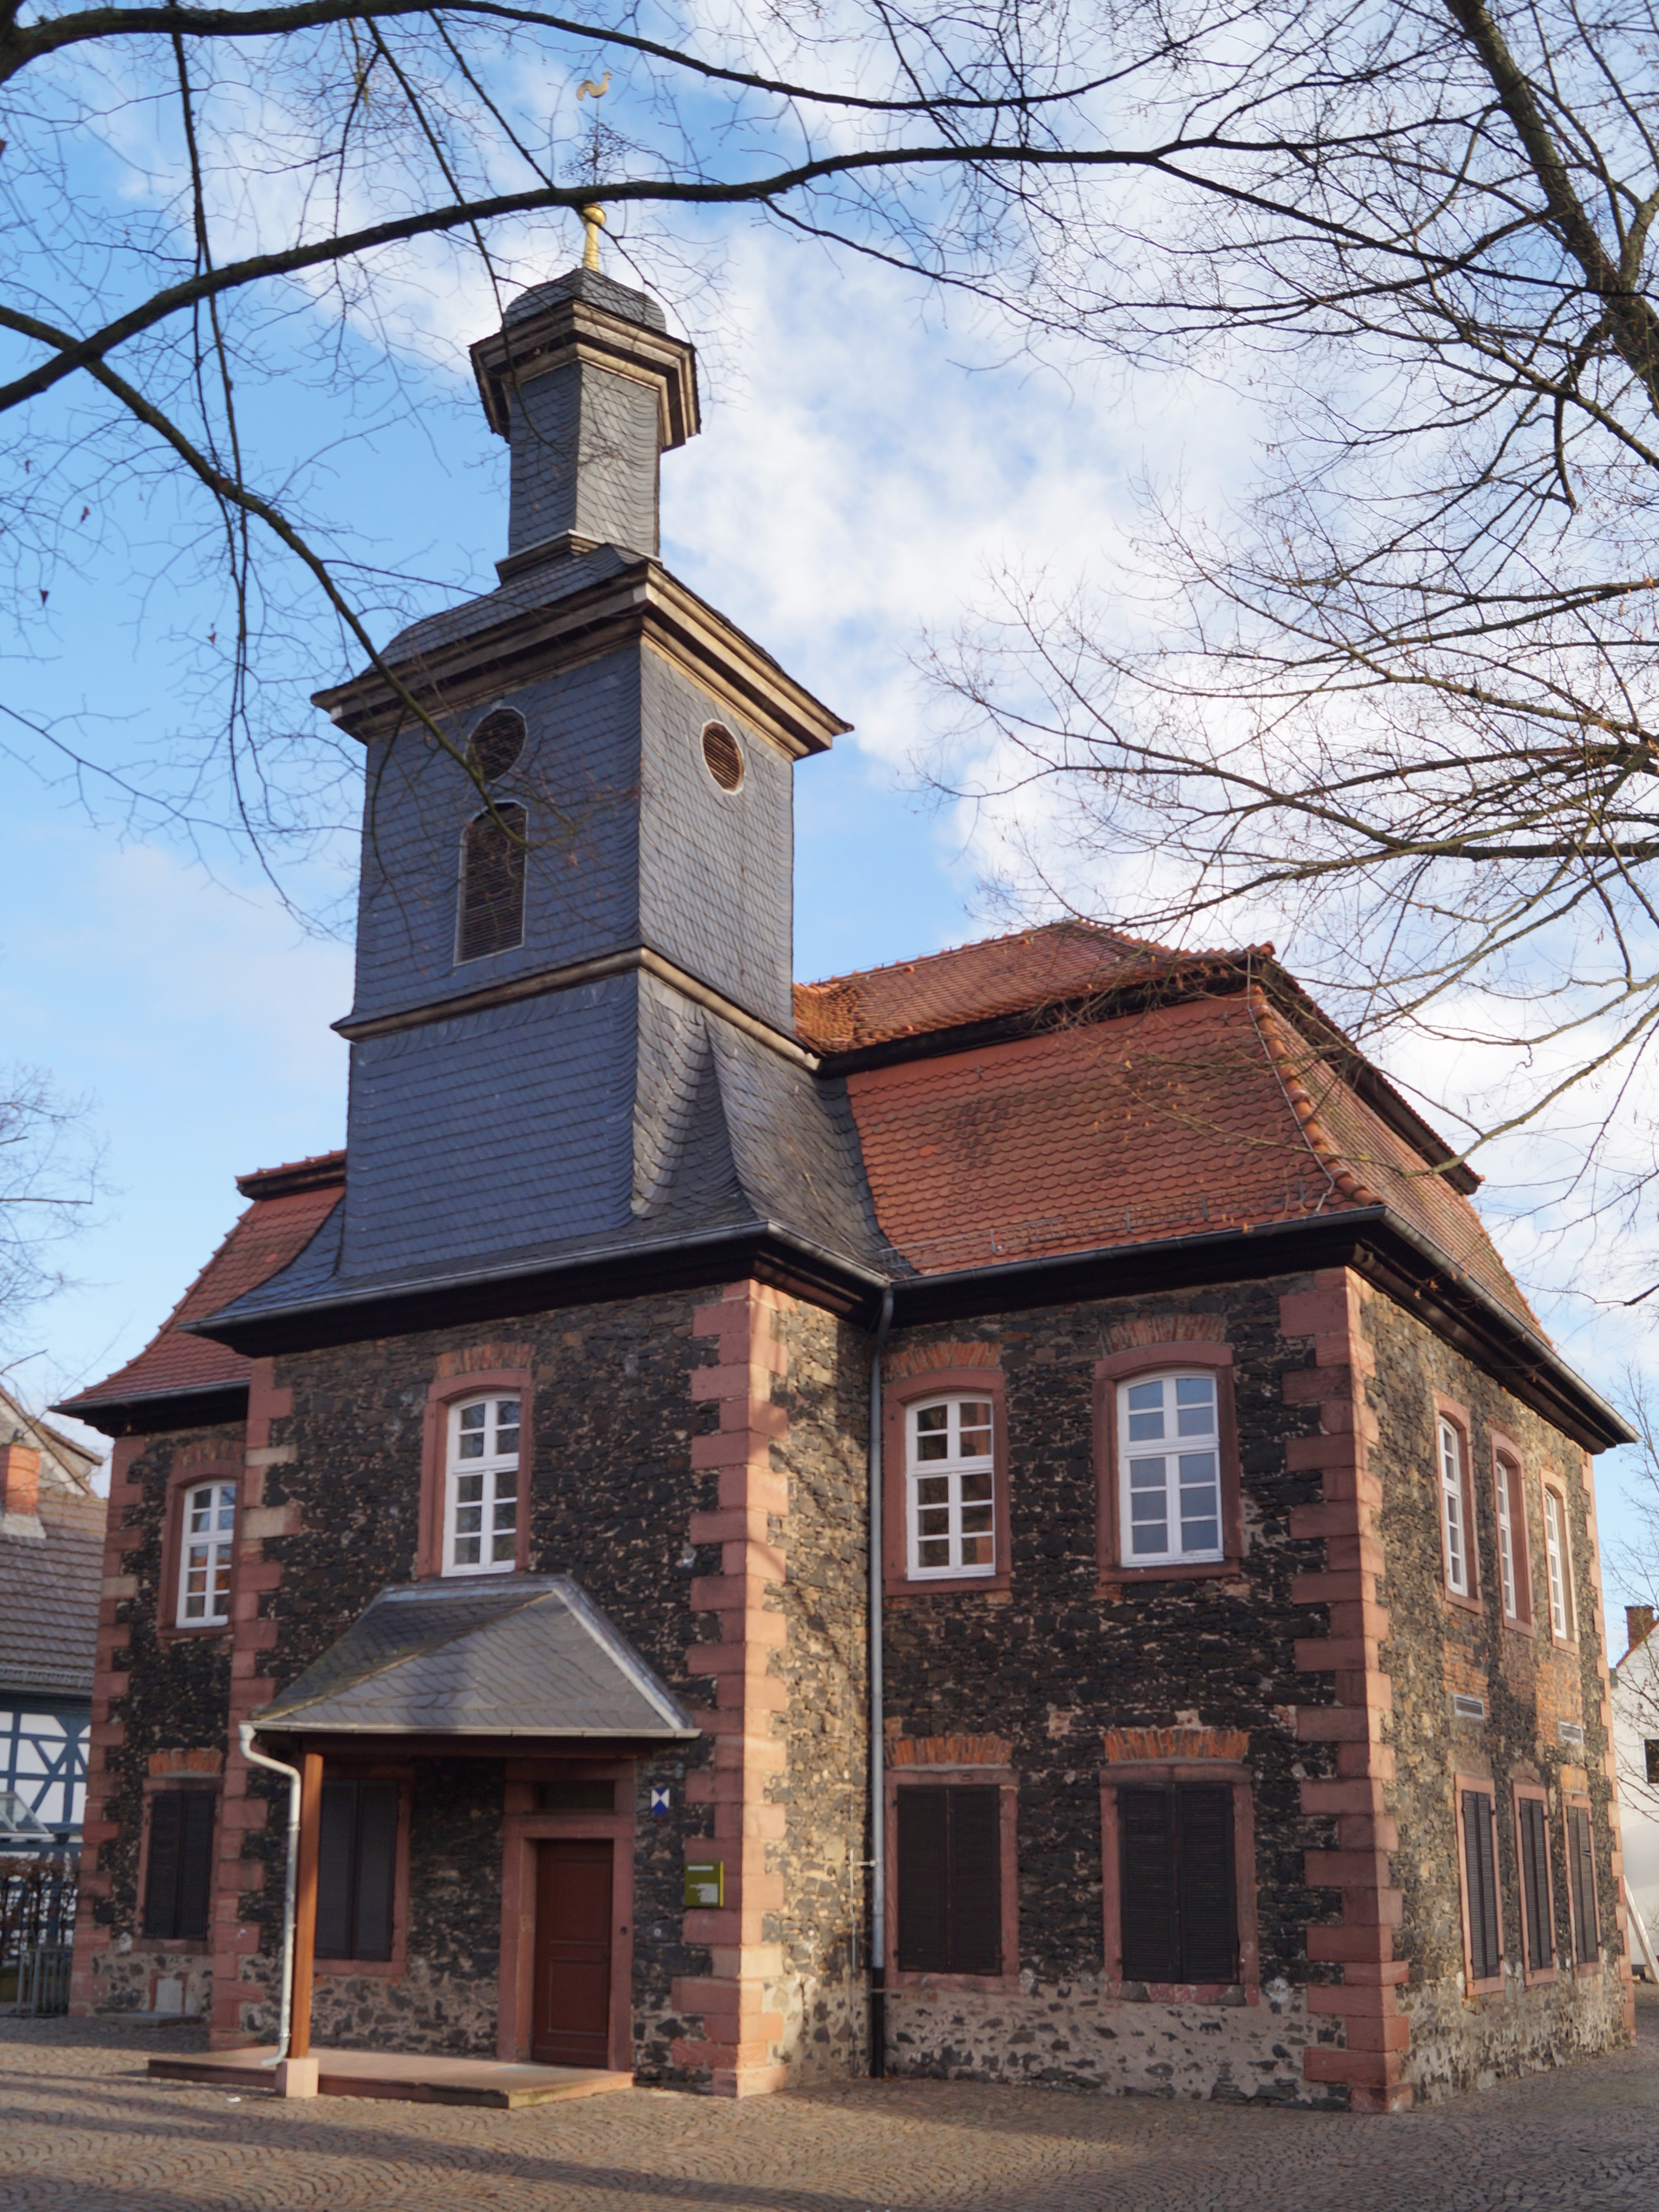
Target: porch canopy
532,1657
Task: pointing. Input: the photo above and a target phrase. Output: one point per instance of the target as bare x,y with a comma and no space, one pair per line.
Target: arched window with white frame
1558,1565
482,1503
1169,1462
951,1486
206,1550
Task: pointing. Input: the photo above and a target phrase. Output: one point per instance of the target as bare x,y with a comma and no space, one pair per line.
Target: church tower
572,1035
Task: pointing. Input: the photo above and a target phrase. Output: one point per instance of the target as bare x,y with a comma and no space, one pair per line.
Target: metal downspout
284,2021
877,1764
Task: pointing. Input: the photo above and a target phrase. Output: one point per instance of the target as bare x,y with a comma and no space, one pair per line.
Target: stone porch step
407,2076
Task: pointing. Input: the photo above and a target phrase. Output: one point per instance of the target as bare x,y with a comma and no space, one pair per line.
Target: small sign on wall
705,1883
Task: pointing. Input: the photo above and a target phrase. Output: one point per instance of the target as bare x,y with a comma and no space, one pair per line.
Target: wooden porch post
305,1902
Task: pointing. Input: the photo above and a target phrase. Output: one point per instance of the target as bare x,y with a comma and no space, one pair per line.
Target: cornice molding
631,959
641,603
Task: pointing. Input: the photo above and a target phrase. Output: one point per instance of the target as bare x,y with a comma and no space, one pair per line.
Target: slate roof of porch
526,1657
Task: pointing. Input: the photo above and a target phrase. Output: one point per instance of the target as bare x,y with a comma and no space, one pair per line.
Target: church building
996,1518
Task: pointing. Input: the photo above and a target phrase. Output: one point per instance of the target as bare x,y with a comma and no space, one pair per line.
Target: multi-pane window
178,1879
1555,1560
1454,1514
205,1551
1512,1543
356,1870
1177,1891
1581,1873
950,1879
1480,1886
1168,1449
951,1475
480,1489
1532,1825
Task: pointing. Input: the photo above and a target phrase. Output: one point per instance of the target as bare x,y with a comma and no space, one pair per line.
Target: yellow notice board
705,1883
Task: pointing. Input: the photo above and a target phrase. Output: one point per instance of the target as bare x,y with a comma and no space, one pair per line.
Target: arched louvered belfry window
493,847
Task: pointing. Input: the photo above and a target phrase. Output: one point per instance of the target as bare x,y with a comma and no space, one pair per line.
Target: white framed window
951,1479
1512,1562
1453,1508
206,1544
1169,1458
481,1487
1555,1561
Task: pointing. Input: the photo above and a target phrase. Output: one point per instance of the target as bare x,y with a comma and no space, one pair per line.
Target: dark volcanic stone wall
173,1700
1436,1649
1057,1658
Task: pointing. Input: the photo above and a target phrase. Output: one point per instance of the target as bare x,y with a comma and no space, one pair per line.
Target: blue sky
862,465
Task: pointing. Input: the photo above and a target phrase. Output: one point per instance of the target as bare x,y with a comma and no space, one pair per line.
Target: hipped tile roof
49,1587
272,1232
1201,1112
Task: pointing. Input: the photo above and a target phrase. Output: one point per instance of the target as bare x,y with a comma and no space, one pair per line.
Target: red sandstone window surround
1514,1551
1454,1503
1475,1805
1532,1850
1557,1566
957,1828
1140,1408
934,1509
1193,1822
198,1550
446,1485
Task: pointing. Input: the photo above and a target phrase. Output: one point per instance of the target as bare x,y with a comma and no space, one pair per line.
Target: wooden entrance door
571,2025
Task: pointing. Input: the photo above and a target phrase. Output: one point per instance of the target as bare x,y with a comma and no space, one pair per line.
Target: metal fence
37,1931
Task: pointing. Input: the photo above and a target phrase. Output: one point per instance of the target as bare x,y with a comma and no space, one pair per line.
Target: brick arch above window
447,1390
1116,1372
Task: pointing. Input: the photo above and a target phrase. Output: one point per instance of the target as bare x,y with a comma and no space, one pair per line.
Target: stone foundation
1461,2045
138,1979
1069,2036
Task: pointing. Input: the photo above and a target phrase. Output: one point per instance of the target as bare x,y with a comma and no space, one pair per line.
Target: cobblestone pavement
83,2130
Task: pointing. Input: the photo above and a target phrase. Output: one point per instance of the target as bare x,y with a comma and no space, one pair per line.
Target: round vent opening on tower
722,755
495,743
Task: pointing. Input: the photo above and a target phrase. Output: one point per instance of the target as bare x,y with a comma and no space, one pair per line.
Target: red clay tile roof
978,982
1206,1113
272,1232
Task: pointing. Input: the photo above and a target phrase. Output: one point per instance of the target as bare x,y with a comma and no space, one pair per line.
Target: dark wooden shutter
492,882
377,1866
1147,1886
1208,1897
975,1881
1485,1957
1581,1856
1535,1883
195,1861
179,1882
162,1881
337,1856
924,1946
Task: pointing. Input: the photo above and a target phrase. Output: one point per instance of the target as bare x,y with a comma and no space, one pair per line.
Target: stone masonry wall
1436,1649
159,1709
1057,1658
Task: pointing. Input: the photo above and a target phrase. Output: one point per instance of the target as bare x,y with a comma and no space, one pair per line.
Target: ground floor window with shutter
357,1870
1477,1856
1581,1882
1532,1833
178,1879
952,1880
1173,1857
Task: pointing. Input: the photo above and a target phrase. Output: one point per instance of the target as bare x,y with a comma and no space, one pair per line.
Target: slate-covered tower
572,1017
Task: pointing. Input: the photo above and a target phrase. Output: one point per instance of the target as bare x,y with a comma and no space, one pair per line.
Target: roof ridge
316,1171
1006,937
1306,1108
